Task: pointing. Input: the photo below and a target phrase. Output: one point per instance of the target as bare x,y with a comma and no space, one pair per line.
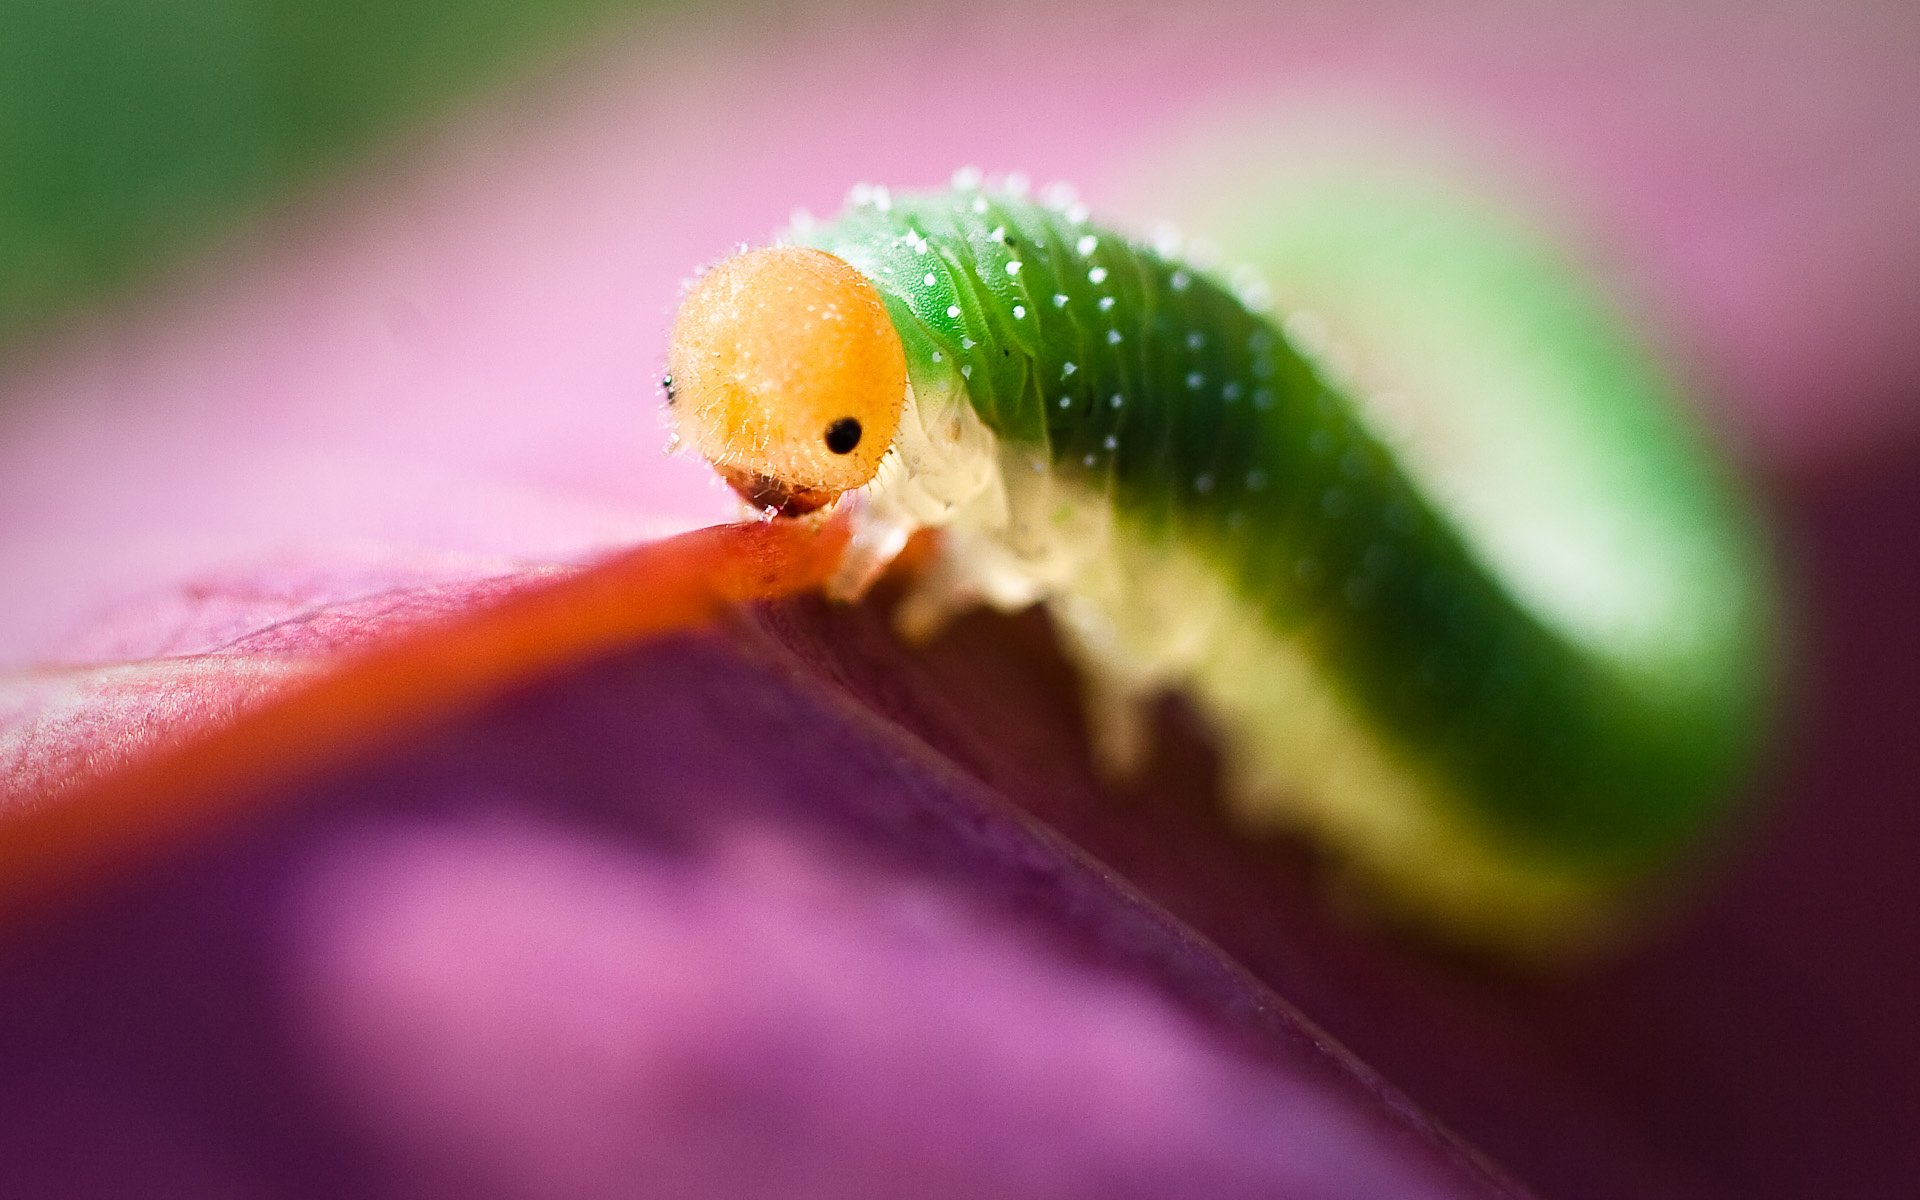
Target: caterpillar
1497,751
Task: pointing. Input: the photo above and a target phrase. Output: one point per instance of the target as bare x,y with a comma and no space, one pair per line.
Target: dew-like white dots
979,204
1106,304
1180,281
1112,442
930,279
1077,213
953,310
1066,402
1019,312
1113,337
1196,339
1067,369
966,370
1098,275
967,343
1116,400
1203,483
1057,196
1088,461
1086,244
1013,267
1059,299
936,356
1230,392
967,178
1195,380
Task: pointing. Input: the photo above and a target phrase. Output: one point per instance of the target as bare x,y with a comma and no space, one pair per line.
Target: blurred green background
130,128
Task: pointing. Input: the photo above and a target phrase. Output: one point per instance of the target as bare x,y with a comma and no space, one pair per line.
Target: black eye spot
843,435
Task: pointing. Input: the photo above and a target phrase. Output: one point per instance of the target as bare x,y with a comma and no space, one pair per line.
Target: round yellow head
786,373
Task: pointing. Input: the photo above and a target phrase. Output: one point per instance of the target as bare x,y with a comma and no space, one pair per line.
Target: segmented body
1206,509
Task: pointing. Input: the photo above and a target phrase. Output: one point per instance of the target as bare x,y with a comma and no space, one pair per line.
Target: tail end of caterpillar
785,371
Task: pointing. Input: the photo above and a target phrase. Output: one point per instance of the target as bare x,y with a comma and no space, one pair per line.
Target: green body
1589,743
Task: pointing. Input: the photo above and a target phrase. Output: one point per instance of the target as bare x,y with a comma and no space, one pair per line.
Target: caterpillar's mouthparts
769,494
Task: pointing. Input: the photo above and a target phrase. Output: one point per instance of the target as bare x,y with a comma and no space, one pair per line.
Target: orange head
786,373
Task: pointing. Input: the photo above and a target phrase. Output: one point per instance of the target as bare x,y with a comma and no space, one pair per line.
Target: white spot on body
1059,300
1019,312
953,310
1113,337
1013,267
1195,380
1086,244
931,279
1106,304
1067,369
1097,275
967,178
1180,281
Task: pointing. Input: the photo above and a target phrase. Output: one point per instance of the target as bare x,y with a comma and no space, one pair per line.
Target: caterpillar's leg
876,540
942,591
1119,725
1118,702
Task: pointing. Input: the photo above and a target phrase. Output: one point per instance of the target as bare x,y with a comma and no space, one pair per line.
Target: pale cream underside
1140,616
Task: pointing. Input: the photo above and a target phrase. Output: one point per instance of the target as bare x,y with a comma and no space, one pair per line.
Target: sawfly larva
1099,426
